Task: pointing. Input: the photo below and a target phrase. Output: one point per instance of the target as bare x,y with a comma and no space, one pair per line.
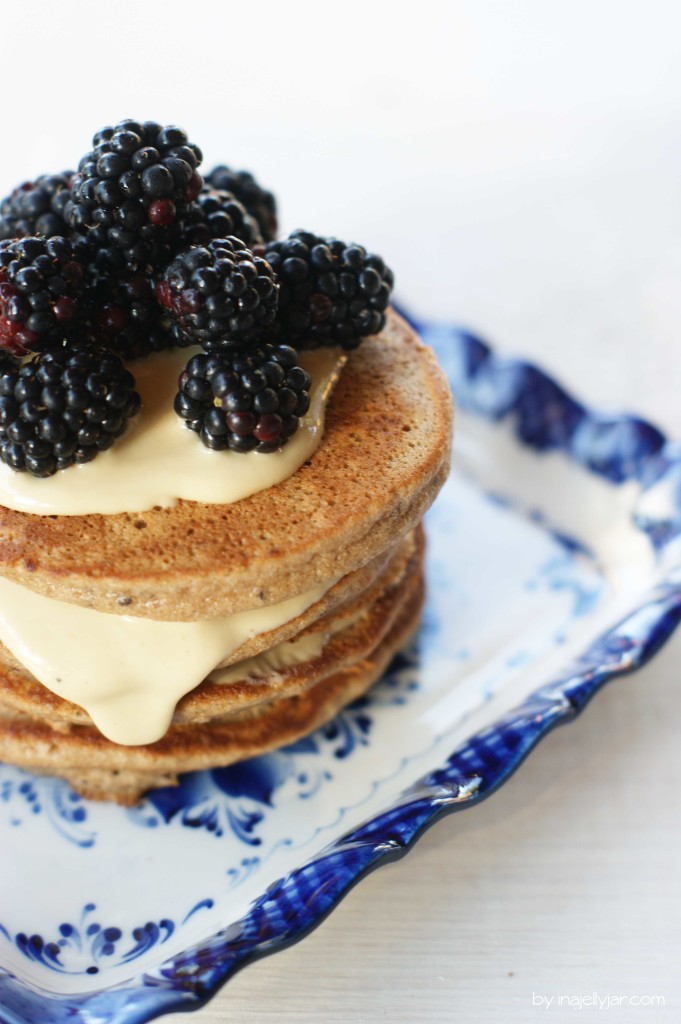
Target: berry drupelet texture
125,315
133,254
63,407
221,295
131,192
218,214
331,292
36,207
260,203
246,402
41,293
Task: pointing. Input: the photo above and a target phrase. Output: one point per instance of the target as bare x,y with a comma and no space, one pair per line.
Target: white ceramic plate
554,563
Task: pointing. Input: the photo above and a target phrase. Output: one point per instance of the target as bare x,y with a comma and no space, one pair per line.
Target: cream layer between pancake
128,673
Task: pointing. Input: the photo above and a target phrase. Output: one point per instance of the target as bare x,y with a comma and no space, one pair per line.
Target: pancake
345,590
384,456
99,769
315,645
347,522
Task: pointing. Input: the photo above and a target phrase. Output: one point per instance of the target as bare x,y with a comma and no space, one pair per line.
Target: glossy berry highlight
331,292
221,295
63,407
244,402
42,293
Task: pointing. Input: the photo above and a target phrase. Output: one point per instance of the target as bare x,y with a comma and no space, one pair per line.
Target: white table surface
519,165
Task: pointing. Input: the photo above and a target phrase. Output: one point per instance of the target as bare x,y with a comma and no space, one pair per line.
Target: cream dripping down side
285,655
158,461
127,673
277,659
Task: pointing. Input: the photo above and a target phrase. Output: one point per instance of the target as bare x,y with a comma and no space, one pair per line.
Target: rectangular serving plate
553,563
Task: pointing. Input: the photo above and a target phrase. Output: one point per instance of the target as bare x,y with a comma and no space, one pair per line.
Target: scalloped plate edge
473,772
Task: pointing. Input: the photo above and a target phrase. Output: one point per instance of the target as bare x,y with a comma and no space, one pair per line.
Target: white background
519,166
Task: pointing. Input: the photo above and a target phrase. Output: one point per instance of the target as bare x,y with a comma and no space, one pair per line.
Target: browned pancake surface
349,632
384,456
102,770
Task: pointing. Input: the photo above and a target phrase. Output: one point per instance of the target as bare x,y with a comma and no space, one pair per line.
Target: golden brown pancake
348,517
345,590
99,769
384,456
336,638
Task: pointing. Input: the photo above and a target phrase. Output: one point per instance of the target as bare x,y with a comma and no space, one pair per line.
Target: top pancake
382,460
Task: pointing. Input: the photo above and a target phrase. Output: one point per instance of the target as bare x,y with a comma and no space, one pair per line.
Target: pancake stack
348,521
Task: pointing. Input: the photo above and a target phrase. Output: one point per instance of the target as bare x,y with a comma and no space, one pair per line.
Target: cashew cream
158,461
128,673
283,656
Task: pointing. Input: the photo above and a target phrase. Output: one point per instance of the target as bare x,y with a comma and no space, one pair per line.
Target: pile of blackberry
134,253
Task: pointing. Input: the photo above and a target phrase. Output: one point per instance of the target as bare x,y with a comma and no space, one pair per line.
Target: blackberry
41,293
244,401
36,207
131,192
260,203
218,214
127,318
221,295
331,293
63,407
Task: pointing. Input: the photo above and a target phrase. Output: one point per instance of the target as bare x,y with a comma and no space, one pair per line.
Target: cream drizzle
128,673
159,461
284,655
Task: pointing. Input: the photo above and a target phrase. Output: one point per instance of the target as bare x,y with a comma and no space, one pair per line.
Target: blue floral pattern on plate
578,514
